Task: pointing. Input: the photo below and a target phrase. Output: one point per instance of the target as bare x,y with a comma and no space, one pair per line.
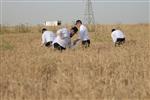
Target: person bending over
47,38
63,39
118,37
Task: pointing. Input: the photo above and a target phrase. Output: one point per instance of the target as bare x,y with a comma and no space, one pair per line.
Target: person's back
83,33
47,37
118,36
62,39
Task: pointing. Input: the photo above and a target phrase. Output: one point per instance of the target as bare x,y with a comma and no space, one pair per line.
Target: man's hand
42,45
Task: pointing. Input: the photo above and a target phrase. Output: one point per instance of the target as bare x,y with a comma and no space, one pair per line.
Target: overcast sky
105,11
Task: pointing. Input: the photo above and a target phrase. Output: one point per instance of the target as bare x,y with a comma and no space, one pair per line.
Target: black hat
78,21
43,30
75,29
113,30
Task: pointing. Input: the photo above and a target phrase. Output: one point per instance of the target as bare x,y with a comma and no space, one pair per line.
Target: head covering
78,21
43,30
75,29
113,30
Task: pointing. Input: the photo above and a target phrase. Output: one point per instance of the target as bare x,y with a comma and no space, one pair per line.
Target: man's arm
42,41
69,43
113,37
75,41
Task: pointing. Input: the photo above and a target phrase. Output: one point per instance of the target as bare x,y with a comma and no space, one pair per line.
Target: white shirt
117,34
83,33
48,36
63,38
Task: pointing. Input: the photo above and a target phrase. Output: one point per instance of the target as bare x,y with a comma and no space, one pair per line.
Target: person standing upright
63,39
83,34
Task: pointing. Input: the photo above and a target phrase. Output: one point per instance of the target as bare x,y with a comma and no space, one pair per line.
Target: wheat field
101,72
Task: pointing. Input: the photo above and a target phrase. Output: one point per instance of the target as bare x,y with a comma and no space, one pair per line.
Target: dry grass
101,72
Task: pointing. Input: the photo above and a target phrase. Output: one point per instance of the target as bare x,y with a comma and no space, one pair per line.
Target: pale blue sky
105,11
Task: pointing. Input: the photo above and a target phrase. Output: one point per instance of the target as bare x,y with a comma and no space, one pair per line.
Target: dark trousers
86,43
120,41
58,47
48,44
